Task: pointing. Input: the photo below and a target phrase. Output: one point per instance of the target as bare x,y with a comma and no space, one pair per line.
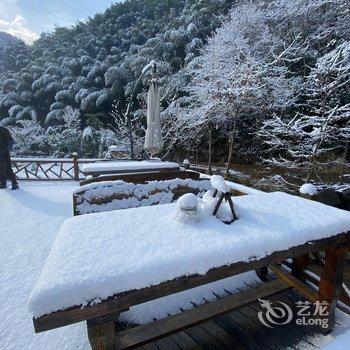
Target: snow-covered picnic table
126,166
104,255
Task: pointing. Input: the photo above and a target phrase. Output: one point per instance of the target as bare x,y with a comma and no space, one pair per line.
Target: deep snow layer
97,255
30,219
126,165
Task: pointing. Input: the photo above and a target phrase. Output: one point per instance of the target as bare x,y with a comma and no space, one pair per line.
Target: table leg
331,282
101,333
300,263
262,273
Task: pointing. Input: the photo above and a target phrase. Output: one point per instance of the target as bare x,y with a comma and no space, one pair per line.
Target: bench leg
300,263
262,273
101,333
331,282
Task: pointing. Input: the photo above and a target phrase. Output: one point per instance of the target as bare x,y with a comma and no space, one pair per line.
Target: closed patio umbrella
153,141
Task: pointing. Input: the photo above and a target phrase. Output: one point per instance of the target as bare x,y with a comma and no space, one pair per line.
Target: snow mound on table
187,209
219,183
188,200
98,255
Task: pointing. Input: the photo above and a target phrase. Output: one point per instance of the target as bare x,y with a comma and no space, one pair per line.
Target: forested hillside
12,50
95,64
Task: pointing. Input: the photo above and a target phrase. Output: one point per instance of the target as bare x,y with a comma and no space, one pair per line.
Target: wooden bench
127,167
133,190
144,177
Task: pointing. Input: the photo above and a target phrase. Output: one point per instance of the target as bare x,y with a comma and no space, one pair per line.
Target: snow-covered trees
240,77
319,131
274,80
29,138
63,139
300,143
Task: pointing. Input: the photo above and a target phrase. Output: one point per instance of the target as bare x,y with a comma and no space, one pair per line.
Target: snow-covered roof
95,256
130,165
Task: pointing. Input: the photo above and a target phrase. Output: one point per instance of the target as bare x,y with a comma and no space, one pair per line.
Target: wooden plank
220,335
231,327
121,327
155,330
249,316
145,176
226,323
253,328
185,341
292,333
294,282
166,343
203,338
125,300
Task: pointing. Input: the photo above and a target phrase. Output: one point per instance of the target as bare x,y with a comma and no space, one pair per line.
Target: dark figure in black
6,173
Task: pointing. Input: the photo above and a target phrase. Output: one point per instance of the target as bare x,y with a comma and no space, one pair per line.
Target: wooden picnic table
101,316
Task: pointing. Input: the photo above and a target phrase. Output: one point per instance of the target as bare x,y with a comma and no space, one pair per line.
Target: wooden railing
50,168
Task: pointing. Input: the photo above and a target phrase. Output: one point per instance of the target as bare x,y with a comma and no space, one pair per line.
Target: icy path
29,221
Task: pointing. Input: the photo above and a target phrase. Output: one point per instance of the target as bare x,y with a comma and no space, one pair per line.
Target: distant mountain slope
5,39
96,63
7,43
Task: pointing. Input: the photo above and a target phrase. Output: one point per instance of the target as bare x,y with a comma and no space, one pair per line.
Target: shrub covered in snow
308,189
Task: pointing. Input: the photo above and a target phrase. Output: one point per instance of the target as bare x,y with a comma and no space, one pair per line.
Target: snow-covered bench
113,195
126,259
143,177
128,166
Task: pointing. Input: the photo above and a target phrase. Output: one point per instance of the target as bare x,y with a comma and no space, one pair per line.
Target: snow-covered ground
29,221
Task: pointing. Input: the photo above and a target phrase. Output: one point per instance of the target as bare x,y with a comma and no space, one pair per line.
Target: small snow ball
187,209
186,164
219,183
308,189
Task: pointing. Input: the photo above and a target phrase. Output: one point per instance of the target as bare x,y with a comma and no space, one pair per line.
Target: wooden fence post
76,166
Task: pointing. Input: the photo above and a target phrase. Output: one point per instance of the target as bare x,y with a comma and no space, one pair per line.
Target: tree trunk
230,152
231,143
346,153
210,150
130,136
